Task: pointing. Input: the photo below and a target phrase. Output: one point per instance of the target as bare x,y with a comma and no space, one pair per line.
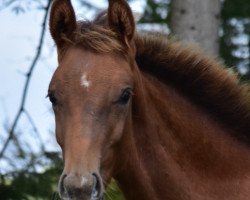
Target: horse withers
165,122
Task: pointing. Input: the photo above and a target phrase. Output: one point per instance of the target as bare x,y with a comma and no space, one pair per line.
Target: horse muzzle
78,187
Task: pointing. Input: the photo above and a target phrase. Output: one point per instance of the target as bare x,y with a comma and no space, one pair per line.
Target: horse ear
62,21
121,20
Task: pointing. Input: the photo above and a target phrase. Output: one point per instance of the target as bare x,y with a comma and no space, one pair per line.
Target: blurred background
30,159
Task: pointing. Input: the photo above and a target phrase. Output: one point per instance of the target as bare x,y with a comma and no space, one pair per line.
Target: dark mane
201,79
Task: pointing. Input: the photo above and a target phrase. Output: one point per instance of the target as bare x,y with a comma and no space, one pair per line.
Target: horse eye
52,99
125,96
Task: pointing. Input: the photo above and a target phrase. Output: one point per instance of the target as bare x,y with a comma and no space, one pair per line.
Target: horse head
91,93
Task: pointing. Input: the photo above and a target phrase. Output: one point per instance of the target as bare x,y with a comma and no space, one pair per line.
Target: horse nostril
62,190
97,187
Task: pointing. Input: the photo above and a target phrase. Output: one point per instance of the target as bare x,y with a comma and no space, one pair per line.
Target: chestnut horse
164,121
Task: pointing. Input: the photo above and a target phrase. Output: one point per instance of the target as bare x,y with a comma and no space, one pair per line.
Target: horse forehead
87,67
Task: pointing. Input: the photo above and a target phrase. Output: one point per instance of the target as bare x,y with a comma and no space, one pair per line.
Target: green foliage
235,37
156,11
235,8
27,185
113,192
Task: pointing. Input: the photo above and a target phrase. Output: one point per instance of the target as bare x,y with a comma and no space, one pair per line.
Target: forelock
97,38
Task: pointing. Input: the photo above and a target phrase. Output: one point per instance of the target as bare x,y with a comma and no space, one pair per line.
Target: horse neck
178,151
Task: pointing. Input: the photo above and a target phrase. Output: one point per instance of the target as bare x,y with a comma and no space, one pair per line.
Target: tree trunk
197,21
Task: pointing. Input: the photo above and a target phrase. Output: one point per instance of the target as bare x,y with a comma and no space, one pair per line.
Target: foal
165,122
